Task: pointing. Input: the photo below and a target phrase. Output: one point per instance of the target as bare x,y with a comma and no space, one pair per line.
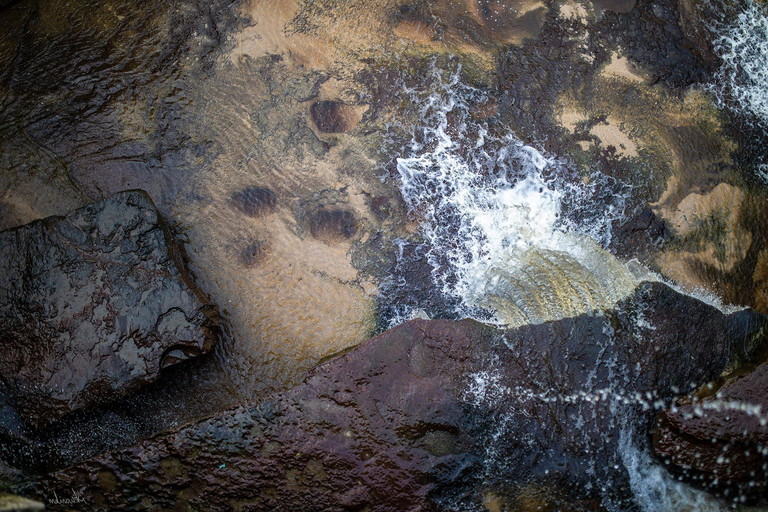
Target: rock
696,19
719,437
93,305
333,225
511,21
380,206
438,415
12,503
640,234
254,201
333,116
653,34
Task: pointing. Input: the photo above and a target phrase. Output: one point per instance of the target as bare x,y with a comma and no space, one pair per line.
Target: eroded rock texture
93,305
438,415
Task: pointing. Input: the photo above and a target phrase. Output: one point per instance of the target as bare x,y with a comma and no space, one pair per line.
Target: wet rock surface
651,34
239,117
718,437
438,415
93,305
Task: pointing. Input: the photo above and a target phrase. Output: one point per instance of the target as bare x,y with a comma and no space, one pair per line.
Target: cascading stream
492,210
509,243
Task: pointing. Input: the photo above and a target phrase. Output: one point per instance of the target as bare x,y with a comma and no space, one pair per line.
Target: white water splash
743,45
492,213
655,490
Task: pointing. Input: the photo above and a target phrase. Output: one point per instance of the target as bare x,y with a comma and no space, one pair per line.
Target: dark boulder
438,415
719,437
92,306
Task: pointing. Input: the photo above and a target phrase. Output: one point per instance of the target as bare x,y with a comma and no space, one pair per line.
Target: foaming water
655,489
741,84
492,210
515,238
652,487
743,46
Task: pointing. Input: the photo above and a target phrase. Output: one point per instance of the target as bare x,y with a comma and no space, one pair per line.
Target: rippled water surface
338,167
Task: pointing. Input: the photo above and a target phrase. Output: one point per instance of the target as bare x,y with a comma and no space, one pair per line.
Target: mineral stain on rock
254,201
333,225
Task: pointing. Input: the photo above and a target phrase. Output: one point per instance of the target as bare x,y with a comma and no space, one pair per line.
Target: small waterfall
655,490
515,237
493,213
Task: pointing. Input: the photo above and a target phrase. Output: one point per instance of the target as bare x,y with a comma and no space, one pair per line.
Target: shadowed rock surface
719,437
93,305
438,415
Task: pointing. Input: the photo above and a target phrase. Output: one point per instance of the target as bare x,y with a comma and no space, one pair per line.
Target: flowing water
504,244
741,41
494,217
510,230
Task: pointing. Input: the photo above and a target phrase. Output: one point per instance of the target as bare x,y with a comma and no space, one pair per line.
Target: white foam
743,45
655,490
492,210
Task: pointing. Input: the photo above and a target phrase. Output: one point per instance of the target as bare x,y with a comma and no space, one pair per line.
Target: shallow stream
336,168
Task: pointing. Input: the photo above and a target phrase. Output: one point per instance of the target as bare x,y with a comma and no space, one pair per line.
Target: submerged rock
93,305
333,225
254,201
719,438
435,415
11,503
333,116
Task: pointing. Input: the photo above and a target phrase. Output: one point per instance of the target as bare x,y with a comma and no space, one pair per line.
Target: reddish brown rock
720,439
436,415
93,305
